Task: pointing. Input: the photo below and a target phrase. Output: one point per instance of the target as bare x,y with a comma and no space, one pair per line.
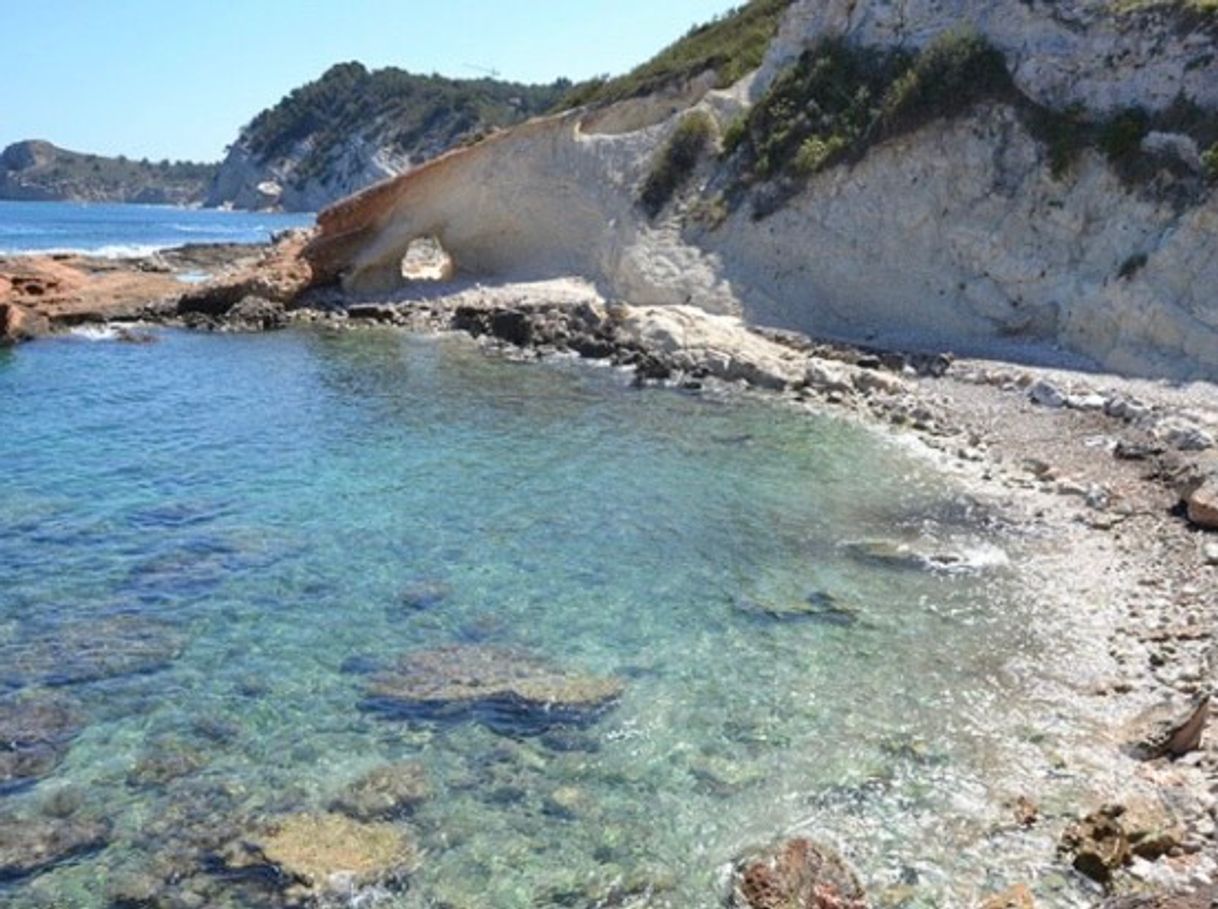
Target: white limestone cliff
956,236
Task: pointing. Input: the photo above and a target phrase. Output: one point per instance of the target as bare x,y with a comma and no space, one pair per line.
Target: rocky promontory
37,171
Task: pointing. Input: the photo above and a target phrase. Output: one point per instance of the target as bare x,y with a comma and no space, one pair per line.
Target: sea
219,552
129,230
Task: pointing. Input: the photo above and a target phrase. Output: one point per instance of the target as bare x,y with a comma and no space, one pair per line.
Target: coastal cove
782,475
792,675
864,643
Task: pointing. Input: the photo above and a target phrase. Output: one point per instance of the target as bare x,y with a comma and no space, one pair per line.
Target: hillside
971,174
354,126
38,171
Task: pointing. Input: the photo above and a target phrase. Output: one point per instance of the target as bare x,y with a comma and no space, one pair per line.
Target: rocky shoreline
1118,477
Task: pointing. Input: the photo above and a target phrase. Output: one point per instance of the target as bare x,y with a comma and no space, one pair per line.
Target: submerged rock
425,594
819,606
922,556
504,688
86,650
315,857
30,845
35,733
384,793
795,874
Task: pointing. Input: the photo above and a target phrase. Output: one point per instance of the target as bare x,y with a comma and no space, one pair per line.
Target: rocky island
986,228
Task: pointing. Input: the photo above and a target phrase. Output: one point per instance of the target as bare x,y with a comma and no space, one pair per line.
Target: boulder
1202,504
384,793
19,323
501,687
1098,844
1152,827
29,845
1170,729
795,874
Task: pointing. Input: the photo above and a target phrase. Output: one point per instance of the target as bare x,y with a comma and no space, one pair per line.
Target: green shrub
676,161
955,71
838,99
737,131
1209,158
732,45
1121,135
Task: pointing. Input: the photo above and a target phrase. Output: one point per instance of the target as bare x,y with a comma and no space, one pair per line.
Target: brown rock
1168,729
1203,504
1098,844
1018,897
1151,826
17,323
795,874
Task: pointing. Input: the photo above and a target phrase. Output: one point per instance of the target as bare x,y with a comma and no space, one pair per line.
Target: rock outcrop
37,171
961,234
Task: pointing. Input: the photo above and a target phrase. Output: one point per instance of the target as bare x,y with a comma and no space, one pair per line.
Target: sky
177,78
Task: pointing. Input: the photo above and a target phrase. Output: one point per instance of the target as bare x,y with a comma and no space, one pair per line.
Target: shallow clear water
130,230
273,496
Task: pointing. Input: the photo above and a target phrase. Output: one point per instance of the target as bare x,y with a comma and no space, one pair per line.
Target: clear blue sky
177,78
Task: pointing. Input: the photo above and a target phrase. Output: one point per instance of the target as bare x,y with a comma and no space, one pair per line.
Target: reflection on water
215,551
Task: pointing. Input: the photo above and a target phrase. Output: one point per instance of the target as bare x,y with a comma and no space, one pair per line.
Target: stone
29,845
385,793
1017,897
1151,826
1098,844
504,688
1046,395
1202,504
317,856
86,650
1209,552
34,735
1183,436
795,874
19,323
1168,729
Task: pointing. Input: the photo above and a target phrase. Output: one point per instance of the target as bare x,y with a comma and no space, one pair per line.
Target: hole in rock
427,260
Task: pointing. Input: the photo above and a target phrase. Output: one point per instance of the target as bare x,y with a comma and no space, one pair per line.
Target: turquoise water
130,230
263,502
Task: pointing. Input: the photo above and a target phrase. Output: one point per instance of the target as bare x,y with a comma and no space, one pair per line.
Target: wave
109,251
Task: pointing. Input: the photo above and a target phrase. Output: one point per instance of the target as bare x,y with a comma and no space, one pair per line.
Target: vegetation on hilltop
392,107
732,45
38,170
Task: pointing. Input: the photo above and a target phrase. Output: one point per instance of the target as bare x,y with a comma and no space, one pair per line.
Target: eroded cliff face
1086,52
957,236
